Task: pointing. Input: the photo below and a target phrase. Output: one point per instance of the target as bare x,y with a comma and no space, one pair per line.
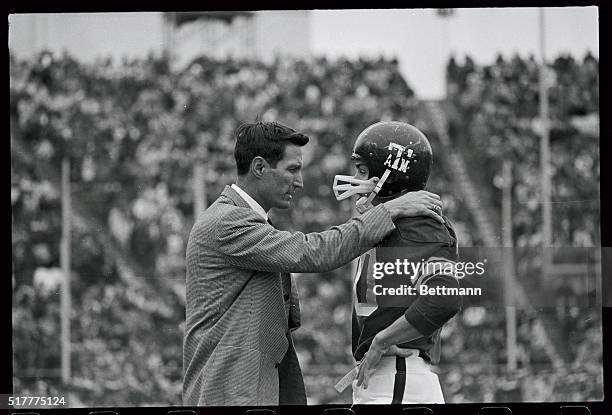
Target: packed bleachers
493,114
133,131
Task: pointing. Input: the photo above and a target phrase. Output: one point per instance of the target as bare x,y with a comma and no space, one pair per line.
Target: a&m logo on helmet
401,160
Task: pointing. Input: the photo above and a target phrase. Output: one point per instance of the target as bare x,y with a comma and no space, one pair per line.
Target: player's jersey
419,240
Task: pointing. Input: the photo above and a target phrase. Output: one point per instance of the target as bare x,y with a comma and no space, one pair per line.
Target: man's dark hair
264,139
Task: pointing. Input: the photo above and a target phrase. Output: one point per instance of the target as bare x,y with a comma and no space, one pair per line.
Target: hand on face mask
363,205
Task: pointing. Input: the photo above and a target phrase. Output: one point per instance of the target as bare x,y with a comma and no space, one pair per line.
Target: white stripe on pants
422,385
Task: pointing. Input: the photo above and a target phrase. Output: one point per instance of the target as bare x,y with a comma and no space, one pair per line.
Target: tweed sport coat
237,347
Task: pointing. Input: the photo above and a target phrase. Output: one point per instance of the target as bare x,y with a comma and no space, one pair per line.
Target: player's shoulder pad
425,229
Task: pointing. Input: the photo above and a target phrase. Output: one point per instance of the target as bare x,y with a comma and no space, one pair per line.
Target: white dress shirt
252,202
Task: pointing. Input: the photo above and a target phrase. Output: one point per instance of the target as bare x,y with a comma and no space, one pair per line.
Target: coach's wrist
393,208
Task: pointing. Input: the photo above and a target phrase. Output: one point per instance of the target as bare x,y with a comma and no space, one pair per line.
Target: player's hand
369,362
420,203
398,351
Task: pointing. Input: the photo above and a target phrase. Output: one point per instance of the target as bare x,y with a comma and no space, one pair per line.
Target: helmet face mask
347,186
396,147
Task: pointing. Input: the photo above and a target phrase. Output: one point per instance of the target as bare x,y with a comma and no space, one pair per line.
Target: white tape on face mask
379,185
365,204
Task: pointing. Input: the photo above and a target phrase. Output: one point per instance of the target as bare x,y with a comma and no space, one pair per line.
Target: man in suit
240,306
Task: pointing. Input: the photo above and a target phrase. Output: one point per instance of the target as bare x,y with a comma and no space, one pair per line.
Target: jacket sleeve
247,241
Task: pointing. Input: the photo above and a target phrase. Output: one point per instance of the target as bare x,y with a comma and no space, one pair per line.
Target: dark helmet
399,147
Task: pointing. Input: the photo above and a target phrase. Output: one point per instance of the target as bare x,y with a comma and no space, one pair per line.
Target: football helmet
397,154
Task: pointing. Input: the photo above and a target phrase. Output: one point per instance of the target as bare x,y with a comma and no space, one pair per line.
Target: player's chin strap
355,186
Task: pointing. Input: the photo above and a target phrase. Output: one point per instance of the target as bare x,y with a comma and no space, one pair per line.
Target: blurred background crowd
134,130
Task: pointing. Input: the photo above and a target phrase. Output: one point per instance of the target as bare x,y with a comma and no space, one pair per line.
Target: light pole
445,15
65,299
509,272
544,149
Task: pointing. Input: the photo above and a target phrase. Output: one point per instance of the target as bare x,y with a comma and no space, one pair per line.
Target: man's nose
298,182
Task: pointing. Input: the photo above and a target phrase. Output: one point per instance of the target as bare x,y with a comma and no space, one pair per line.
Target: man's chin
284,204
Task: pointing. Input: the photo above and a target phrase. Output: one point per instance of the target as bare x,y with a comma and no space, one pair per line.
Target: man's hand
397,351
369,362
421,203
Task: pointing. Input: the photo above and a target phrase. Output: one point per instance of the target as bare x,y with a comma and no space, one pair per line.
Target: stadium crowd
494,113
133,132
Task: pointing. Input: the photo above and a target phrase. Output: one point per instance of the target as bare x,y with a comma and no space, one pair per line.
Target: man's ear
258,166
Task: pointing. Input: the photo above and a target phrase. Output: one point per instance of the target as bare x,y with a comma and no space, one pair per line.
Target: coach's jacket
237,348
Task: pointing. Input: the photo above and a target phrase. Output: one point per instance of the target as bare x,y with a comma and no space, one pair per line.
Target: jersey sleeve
428,313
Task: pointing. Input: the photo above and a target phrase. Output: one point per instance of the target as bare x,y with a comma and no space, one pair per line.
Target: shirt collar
252,202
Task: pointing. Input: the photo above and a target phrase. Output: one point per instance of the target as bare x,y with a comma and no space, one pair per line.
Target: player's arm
400,331
427,314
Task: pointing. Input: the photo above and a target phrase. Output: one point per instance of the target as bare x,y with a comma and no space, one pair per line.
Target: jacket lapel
290,298
290,294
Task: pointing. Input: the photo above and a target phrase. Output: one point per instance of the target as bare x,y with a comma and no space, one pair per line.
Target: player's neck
378,200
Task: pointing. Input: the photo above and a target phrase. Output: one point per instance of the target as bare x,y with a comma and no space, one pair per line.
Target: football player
396,337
